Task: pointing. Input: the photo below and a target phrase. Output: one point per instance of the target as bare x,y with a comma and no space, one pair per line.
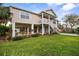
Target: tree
1,4
3,30
77,30
70,19
4,15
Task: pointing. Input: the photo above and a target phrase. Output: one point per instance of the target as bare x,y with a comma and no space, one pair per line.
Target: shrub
35,35
77,30
18,38
3,30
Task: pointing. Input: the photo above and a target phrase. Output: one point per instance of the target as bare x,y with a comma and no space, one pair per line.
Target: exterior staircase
54,27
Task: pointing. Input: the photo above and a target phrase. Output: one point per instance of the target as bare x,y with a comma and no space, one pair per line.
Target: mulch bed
5,38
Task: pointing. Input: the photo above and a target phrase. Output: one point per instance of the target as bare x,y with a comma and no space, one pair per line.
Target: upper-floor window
24,15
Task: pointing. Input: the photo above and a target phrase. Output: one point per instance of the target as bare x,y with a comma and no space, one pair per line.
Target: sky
60,9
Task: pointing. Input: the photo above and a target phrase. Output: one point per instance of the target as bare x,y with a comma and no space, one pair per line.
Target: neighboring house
26,23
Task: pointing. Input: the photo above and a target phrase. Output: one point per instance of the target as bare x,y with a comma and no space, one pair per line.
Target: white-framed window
24,15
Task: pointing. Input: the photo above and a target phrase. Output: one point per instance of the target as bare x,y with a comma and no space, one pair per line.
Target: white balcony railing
45,21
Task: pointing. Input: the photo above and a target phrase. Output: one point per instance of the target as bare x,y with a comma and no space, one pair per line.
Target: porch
21,29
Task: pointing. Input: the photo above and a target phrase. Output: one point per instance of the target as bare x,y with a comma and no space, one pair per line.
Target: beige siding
17,17
33,18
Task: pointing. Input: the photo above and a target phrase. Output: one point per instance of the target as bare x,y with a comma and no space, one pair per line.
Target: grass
53,45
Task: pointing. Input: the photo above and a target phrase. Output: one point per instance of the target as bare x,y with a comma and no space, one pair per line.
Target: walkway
69,34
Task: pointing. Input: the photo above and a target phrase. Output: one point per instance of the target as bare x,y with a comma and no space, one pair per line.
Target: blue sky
60,9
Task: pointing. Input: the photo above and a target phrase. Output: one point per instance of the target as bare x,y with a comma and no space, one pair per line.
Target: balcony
45,21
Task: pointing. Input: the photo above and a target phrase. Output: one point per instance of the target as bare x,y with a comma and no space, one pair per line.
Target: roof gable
50,11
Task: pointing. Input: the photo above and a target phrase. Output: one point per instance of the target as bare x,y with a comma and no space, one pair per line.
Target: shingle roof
45,11
23,10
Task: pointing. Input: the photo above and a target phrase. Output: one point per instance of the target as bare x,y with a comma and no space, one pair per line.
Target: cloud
68,6
59,3
50,4
61,9
54,4
61,14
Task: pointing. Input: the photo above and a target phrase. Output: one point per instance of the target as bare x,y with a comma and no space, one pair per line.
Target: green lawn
42,46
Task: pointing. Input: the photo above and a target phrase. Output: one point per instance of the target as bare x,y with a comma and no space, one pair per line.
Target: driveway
69,34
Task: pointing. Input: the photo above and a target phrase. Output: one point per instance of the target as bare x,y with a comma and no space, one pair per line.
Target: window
54,22
22,16
25,15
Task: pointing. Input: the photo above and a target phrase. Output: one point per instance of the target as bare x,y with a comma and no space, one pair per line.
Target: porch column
32,29
13,29
42,25
49,25
28,30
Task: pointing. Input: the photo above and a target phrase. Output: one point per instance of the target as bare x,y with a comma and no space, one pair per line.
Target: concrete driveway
69,34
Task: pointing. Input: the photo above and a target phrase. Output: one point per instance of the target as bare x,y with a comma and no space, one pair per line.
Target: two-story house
27,23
